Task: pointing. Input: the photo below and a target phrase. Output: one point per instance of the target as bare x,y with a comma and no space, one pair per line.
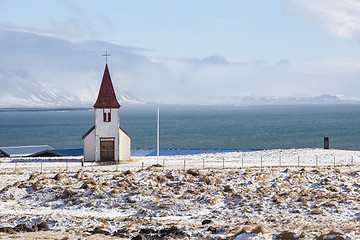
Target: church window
107,115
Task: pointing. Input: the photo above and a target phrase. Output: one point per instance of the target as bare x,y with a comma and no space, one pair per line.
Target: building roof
125,132
25,150
106,97
88,132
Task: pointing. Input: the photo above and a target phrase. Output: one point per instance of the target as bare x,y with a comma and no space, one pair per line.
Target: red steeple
106,97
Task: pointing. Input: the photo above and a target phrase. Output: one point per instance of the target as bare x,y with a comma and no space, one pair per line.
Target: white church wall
107,130
124,146
89,143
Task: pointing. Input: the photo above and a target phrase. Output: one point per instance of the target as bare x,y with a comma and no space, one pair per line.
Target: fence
56,164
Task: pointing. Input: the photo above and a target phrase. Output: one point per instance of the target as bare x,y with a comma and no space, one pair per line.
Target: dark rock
172,232
155,237
228,188
22,185
121,233
169,230
8,230
285,236
194,172
98,230
23,228
332,235
147,231
43,226
140,237
206,221
157,165
127,172
212,229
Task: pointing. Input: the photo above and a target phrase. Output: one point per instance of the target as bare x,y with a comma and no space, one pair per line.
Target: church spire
106,97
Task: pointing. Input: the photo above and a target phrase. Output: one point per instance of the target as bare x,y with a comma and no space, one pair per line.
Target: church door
107,149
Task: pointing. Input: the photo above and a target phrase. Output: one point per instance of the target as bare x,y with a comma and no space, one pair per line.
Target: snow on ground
238,195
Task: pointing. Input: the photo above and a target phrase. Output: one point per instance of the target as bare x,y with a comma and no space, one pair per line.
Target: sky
258,47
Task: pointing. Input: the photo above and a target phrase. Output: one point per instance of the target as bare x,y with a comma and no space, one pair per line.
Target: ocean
197,127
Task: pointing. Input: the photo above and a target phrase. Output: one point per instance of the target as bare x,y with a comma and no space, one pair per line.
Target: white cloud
74,71
339,18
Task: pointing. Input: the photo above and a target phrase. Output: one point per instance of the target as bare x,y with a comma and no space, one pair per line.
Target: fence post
298,161
142,166
184,164
92,166
223,163
164,165
67,165
280,160
203,163
352,160
334,162
41,167
316,161
15,167
261,163
242,162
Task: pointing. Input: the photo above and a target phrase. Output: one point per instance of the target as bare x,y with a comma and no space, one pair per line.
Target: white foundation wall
89,146
124,146
106,130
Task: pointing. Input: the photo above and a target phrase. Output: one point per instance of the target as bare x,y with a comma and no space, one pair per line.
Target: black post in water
326,143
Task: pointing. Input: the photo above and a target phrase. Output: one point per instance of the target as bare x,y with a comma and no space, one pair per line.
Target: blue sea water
201,128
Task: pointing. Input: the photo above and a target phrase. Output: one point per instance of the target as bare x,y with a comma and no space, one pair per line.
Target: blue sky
238,30
197,51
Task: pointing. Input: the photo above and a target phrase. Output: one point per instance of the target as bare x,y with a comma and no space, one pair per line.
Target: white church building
106,141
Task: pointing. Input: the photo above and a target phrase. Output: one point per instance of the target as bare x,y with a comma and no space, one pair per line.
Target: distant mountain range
321,99
46,72
21,90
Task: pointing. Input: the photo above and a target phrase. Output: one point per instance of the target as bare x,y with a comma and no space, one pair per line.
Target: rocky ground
153,203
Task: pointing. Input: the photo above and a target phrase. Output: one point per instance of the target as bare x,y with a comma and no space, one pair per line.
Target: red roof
106,97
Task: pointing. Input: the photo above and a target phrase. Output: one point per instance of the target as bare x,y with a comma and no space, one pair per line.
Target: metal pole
223,163
242,162
316,161
164,165
15,166
184,164
203,163
142,166
67,165
158,136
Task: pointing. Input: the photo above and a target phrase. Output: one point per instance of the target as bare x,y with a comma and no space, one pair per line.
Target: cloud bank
61,72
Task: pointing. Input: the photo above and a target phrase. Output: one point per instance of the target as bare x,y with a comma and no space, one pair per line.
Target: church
106,141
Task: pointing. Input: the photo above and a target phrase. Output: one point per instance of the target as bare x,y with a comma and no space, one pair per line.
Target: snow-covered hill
41,71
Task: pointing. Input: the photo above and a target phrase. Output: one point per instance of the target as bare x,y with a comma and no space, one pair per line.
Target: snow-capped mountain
58,74
321,99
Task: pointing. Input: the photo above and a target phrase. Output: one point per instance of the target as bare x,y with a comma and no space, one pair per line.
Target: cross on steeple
106,55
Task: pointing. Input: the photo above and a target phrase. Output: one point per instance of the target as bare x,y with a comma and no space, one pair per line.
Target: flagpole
158,135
